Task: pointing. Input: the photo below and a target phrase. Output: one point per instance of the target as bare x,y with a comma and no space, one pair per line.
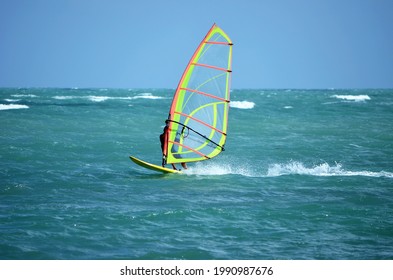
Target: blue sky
147,43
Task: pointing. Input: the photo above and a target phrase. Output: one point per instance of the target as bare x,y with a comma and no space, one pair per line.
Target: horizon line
167,88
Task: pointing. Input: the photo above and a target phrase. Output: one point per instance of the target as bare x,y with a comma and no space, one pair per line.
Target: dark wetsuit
162,138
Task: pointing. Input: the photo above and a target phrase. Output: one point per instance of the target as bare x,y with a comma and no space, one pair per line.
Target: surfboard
153,166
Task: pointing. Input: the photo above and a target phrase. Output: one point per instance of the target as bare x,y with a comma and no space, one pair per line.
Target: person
162,140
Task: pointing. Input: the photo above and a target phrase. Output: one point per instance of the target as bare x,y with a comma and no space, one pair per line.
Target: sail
198,116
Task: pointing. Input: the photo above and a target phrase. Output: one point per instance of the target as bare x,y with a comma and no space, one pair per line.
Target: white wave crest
324,169
276,170
98,98
147,95
24,95
218,169
12,106
11,100
356,98
61,97
95,98
242,104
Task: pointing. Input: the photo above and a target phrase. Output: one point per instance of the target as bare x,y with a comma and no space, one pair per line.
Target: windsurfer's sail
198,115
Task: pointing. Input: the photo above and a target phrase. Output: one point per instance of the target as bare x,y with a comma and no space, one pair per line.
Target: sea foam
219,169
356,98
24,95
242,104
324,169
11,100
278,169
98,98
147,95
12,106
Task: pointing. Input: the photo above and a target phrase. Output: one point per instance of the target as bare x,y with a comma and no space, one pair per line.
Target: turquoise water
307,174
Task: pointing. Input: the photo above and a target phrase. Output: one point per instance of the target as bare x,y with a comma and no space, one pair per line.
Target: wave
24,95
11,100
324,169
147,95
95,98
355,98
242,104
278,169
218,169
12,106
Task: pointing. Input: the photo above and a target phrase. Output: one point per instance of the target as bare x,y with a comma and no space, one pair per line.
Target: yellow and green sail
198,116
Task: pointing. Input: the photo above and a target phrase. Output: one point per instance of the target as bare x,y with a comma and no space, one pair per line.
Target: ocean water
307,174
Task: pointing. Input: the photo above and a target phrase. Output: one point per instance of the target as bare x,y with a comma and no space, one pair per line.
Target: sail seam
211,66
189,148
207,94
202,122
200,134
218,43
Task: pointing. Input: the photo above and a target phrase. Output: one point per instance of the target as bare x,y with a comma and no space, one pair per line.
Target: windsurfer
162,140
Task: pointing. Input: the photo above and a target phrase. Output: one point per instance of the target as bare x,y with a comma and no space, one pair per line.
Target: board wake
153,166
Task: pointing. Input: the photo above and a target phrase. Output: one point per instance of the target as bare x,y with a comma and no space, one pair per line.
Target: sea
306,174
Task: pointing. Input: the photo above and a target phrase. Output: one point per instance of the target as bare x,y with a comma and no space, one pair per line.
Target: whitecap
11,100
242,104
61,97
98,98
324,169
356,98
298,168
146,95
219,169
24,95
12,106
89,97
279,169
288,107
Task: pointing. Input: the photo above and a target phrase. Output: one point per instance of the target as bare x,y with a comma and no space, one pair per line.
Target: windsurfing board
153,166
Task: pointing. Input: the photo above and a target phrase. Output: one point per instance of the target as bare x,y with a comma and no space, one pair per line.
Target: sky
148,43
